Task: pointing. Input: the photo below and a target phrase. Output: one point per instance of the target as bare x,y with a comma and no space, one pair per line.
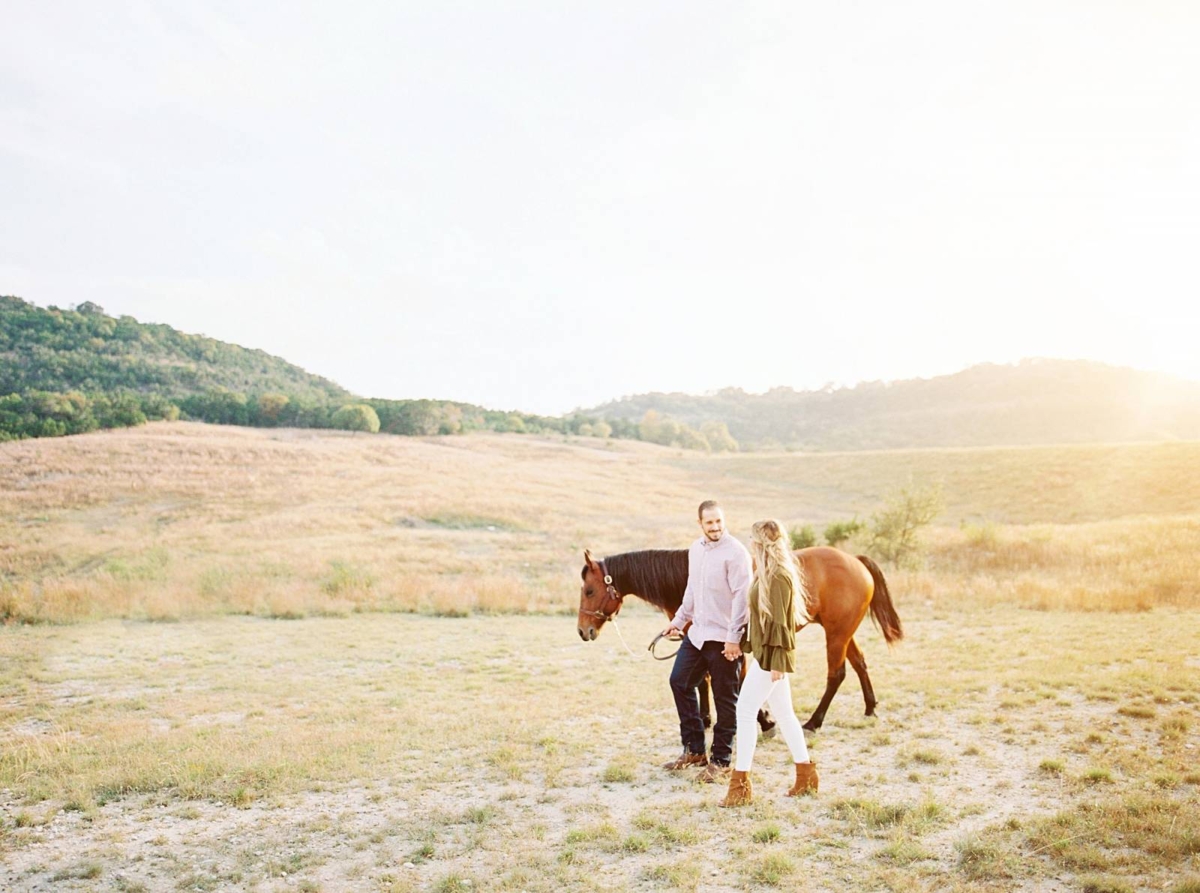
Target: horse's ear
587,558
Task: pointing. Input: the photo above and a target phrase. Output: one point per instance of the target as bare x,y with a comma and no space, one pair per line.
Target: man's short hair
705,506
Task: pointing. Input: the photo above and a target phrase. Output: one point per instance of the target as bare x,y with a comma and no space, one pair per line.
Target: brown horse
842,590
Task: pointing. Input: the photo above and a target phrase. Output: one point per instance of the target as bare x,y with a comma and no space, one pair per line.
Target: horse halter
610,594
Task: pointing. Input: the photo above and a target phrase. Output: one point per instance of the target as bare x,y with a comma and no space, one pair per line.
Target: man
715,604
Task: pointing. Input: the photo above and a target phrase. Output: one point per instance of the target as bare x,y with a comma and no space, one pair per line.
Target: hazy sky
547,205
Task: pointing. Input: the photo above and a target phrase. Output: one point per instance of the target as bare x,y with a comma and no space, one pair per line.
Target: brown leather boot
806,779
740,791
713,772
684,760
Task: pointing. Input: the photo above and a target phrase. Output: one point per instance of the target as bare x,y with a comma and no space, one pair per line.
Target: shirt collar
709,544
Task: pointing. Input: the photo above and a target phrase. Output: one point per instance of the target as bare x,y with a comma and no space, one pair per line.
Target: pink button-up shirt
715,598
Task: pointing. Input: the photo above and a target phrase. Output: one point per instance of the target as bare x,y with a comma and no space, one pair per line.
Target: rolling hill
1037,401
71,371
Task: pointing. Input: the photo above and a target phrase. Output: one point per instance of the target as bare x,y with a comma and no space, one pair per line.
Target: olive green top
774,647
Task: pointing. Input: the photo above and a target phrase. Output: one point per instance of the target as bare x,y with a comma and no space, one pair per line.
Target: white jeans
758,689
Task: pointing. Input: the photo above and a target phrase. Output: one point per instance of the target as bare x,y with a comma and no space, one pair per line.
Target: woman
778,583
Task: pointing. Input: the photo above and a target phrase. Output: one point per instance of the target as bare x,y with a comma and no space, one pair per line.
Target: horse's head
599,600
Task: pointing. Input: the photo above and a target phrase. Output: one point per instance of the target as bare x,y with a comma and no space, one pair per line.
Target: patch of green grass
1052,767
684,875
422,853
766,833
1189,885
1097,775
635,843
663,833
508,762
454,883
984,857
1174,726
479,815
1138,830
344,576
80,871
1137,711
604,832
873,814
618,773
771,869
467,521
924,756
200,882
1091,884
903,850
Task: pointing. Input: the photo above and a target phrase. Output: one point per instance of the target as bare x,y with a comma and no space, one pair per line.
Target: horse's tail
883,612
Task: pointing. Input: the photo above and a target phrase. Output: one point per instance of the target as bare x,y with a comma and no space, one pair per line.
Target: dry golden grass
172,521
1029,736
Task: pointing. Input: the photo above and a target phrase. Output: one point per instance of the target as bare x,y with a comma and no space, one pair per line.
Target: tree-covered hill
72,371
87,351
1033,402
76,370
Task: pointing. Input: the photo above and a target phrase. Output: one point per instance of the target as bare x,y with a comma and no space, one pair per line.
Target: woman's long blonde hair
771,549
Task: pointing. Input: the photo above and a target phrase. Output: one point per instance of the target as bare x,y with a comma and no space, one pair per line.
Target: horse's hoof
810,727
769,732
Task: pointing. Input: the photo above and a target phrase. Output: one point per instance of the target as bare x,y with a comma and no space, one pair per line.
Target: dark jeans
691,663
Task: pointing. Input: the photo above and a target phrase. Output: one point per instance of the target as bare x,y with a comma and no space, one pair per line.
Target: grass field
370,677
174,520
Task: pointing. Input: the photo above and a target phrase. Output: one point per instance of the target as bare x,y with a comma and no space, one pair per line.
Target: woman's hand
776,675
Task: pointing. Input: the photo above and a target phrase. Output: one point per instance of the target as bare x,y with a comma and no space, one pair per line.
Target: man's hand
671,632
733,650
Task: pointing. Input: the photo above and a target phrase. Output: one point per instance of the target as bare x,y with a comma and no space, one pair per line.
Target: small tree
271,407
356,417
802,536
718,436
895,529
838,532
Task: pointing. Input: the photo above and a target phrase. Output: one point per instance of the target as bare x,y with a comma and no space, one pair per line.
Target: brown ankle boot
740,792
806,779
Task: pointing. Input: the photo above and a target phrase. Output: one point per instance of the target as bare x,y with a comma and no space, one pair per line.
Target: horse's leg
859,661
766,722
835,656
705,702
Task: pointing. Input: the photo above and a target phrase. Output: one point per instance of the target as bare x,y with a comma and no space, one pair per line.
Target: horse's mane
659,576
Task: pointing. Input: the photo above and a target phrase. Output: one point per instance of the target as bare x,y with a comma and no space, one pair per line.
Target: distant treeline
73,371
51,414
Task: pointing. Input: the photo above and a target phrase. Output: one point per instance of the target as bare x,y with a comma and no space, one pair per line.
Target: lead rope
613,620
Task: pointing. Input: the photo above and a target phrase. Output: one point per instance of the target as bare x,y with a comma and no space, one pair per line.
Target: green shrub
356,417
895,529
838,532
802,536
